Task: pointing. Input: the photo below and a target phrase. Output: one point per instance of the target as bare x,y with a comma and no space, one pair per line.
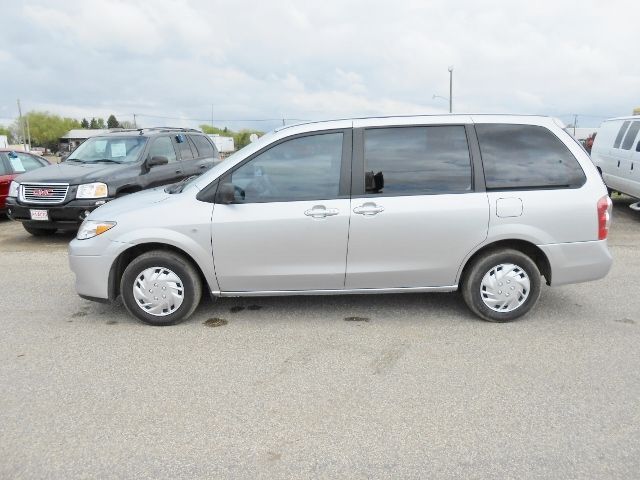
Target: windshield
109,150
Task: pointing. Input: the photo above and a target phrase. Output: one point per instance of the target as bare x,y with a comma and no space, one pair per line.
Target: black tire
483,264
181,266
39,232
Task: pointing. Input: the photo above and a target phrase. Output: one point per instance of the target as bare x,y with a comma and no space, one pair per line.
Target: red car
12,164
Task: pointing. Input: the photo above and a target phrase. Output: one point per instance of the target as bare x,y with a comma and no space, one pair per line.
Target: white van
616,154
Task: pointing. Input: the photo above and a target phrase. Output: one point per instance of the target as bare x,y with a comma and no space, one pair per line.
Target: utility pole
575,121
21,126
28,132
451,89
283,122
135,125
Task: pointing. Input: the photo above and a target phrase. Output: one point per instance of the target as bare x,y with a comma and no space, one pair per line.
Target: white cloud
326,59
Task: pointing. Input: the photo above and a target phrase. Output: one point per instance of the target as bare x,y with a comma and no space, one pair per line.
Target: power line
205,120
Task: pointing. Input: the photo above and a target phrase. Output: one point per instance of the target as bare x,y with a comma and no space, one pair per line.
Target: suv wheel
161,288
39,232
501,286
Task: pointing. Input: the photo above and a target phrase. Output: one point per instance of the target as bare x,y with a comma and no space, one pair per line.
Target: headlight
92,228
92,190
13,189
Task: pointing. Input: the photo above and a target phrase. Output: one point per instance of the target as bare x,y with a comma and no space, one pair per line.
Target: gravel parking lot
390,386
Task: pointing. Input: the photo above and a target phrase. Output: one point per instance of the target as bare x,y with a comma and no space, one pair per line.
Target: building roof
83,133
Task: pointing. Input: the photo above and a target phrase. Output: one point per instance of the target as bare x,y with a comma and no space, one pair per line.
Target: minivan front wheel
501,286
161,288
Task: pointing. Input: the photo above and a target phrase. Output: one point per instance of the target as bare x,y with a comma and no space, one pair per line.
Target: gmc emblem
43,192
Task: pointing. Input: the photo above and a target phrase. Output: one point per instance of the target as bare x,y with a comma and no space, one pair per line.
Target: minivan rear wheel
501,286
161,288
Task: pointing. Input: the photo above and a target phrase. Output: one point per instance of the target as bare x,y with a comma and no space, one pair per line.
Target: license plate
39,215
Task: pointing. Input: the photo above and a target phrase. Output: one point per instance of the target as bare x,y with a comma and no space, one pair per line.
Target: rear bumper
67,216
578,261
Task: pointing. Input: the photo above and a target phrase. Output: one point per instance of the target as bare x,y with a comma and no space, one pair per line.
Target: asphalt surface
415,387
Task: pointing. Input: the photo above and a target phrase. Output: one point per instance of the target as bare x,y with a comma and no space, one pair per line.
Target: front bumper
91,261
578,261
64,216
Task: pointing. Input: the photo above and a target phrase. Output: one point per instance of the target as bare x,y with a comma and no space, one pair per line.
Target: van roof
628,117
407,119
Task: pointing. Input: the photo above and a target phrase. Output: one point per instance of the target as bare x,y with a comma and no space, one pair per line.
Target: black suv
103,168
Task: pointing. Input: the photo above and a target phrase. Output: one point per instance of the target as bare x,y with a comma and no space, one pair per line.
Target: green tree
84,123
5,131
47,128
93,124
240,139
126,124
101,123
112,122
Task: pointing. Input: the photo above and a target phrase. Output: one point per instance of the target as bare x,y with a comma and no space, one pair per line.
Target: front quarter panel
184,225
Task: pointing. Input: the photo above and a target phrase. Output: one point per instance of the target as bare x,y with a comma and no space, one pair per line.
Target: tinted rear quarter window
526,157
417,160
621,132
630,136
203,145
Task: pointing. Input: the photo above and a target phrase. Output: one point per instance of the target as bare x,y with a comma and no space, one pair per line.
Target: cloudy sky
315,60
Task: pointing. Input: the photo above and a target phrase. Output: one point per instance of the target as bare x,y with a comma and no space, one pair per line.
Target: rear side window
183,147
203,145
417,160
621,133
630,136
526,157
3,168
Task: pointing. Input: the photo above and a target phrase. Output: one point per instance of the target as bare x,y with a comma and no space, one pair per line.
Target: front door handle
368,209
320,211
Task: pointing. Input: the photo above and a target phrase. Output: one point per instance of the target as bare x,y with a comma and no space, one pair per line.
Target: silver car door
287,227
415,212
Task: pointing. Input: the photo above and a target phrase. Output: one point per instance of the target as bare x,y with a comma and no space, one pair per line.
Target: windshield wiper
107,160
177,187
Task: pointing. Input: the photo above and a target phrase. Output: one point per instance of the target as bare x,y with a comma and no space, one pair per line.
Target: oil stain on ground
356,319
215,322
236,309
254,307
628,321
79,314
111,322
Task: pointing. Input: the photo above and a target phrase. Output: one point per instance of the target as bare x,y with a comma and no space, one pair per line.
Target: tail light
604,217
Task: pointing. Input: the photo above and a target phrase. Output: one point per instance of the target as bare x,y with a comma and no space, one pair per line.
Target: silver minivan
483,204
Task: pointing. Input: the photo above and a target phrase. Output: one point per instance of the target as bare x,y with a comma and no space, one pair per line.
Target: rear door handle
320,211
368,209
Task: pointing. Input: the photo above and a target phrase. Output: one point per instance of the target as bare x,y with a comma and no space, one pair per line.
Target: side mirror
154,161
226,194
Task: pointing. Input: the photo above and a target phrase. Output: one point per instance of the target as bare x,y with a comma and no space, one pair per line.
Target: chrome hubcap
158,291
505,287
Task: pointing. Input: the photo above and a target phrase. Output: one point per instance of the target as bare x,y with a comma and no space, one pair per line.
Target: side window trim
345,163
357,175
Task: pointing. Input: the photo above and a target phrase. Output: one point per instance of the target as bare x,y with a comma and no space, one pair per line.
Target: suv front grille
49,193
